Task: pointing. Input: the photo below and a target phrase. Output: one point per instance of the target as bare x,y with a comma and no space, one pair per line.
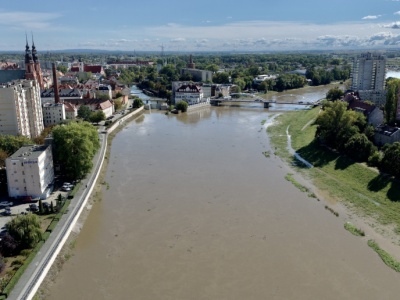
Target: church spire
34,52
28,54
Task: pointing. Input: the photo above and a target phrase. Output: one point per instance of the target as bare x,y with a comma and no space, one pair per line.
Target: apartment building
368,77
53,113
30,172
20,108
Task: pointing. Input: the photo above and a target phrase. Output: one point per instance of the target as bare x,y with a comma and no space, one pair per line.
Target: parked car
6,203
7,213
28,199
33,207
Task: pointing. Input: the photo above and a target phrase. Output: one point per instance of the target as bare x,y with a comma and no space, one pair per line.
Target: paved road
38,268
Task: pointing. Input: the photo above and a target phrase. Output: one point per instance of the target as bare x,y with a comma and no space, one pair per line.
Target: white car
6,203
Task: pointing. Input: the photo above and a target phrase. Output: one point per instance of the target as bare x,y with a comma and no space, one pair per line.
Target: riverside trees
344,130
25,230
75,145
347,132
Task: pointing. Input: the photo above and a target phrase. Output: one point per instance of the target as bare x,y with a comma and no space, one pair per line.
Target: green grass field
363,189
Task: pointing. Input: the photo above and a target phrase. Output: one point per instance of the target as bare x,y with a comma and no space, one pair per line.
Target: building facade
368,77
21,109
30,172
191,93
53,113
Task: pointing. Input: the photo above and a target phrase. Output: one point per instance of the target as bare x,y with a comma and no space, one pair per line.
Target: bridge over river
265,103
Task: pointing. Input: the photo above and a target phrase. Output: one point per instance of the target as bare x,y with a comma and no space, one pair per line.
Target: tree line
347,131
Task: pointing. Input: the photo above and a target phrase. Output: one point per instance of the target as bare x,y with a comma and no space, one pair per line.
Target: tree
62,69
84,112
334,94
75,145
221,77
11,143
8,245
212,68
102,96
117,104
97,116
59,201
182,105
390,162
359,147
25,229
391,100
336,124
137,103
41,209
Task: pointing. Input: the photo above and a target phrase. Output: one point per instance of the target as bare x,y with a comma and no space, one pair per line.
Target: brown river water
194,210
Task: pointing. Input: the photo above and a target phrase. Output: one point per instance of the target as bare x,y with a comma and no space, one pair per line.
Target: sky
207,25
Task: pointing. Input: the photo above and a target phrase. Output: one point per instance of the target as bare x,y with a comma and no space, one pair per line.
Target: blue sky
218,25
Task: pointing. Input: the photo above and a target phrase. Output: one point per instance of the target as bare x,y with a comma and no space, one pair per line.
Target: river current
193,209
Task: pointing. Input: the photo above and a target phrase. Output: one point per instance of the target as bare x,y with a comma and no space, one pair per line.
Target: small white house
30,172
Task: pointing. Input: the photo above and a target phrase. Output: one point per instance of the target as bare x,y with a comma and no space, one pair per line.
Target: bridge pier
266,104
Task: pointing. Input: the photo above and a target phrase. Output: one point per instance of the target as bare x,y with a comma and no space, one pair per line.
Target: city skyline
207,26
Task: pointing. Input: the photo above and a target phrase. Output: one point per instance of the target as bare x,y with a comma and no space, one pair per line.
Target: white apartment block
368,77
53,113
21,109
30,172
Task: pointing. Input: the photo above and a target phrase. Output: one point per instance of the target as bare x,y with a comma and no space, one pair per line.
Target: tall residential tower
368,77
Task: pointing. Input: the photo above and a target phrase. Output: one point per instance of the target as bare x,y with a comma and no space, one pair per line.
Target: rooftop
29,152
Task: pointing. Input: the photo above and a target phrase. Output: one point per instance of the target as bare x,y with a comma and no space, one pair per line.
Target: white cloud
397,13
394,25
28,20
371,17
178,40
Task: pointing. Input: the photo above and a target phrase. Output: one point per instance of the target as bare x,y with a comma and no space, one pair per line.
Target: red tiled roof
69,107
105,105
99,103
361,106
93,69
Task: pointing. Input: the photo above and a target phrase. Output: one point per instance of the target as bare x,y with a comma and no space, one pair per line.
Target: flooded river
192,209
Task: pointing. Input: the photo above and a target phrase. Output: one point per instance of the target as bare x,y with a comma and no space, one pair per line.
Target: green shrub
353,229
386,257
137,103
375,159
182,105
10,285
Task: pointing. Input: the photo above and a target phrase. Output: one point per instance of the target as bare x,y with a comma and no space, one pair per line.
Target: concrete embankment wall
124,118
196,106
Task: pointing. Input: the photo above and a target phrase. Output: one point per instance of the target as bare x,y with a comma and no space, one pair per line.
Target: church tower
30,72
36,63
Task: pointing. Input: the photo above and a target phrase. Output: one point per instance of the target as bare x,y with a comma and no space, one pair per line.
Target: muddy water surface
194,210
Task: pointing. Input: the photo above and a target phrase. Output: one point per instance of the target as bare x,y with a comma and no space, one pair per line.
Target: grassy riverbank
360,188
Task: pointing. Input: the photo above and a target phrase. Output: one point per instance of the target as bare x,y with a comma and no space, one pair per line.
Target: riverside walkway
33,276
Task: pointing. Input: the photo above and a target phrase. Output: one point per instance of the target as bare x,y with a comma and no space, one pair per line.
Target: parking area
18,207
